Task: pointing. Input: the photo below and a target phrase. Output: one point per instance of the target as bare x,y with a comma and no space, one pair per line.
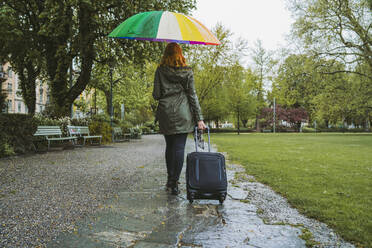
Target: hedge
16,134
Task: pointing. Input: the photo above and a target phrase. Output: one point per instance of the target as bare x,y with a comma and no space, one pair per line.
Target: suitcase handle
196,138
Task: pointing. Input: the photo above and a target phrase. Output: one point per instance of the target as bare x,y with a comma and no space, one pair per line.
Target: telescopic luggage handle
196,139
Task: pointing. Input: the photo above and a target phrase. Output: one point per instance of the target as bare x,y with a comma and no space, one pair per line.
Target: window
10,87
10,103
19,107
10,72
2,73
19,90
41,91
5,108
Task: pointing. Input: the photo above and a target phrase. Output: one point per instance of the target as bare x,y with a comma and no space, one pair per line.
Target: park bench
119,135
50,133
266,130
83,133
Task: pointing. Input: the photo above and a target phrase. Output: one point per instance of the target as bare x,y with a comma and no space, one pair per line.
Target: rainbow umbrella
164,26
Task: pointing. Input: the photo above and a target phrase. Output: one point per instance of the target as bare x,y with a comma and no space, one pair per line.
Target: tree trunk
257,124
59,59
238,121
27,79
108,101
245,123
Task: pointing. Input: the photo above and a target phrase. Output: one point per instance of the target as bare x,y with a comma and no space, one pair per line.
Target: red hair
173,56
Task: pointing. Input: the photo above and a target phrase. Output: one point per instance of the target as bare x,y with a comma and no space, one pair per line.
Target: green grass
326,176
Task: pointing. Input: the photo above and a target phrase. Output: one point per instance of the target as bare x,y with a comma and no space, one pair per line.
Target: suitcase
205,174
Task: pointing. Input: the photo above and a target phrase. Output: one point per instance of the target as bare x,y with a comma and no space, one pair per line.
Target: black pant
174,155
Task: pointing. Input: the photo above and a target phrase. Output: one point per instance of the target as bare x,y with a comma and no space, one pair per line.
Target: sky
267,20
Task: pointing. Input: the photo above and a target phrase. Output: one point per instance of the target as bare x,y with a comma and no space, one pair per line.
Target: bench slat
62,138
82,132
48,131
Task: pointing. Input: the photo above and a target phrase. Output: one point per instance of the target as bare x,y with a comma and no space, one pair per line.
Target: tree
20,46
240,100
293,116
215,106
345,99
66,32
338,29
263,64
330,98
296,81
212,66
300,81
211,63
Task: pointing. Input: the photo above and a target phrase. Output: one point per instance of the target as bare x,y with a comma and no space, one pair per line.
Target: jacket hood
175,74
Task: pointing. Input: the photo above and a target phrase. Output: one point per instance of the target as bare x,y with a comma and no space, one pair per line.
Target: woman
178,110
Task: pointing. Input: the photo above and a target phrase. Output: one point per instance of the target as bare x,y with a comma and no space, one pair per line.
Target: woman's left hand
201,125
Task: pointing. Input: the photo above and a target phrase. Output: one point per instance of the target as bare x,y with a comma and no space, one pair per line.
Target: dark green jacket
178,110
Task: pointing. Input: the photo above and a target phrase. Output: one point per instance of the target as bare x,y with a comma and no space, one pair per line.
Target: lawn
327,176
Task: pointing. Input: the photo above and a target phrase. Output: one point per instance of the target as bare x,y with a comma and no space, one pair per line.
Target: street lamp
111,107
111,64
274,117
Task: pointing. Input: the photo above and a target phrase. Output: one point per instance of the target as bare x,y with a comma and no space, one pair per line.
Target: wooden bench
50,133
119,135
83,132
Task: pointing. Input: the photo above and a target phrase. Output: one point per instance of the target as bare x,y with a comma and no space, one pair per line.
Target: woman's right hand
201,125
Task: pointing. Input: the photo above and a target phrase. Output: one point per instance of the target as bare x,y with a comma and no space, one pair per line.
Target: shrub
62,122
125,126
145,130
342,130
283,129
136,133
6,149
81,122
101,128
16,136
231,130
308,130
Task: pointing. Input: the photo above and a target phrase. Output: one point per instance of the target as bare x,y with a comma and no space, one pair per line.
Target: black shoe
174,189
168,185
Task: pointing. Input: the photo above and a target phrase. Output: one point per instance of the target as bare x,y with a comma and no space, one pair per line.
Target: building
11,88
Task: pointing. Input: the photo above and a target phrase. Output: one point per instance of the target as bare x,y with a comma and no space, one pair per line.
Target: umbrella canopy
164,26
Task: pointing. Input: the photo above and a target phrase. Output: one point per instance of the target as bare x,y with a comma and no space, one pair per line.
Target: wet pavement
144,214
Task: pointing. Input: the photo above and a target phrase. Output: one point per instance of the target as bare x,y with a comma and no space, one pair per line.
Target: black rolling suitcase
205,174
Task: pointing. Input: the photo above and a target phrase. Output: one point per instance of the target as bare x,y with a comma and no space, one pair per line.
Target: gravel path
44,194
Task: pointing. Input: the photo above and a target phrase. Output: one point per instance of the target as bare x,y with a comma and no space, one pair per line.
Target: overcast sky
267,20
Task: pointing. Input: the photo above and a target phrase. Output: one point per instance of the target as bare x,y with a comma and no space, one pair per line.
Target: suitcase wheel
222,198
191,197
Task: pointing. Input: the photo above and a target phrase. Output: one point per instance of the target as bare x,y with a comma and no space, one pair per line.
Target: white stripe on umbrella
168,27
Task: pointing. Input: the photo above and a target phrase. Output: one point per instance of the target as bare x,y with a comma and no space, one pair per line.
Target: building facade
12,88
